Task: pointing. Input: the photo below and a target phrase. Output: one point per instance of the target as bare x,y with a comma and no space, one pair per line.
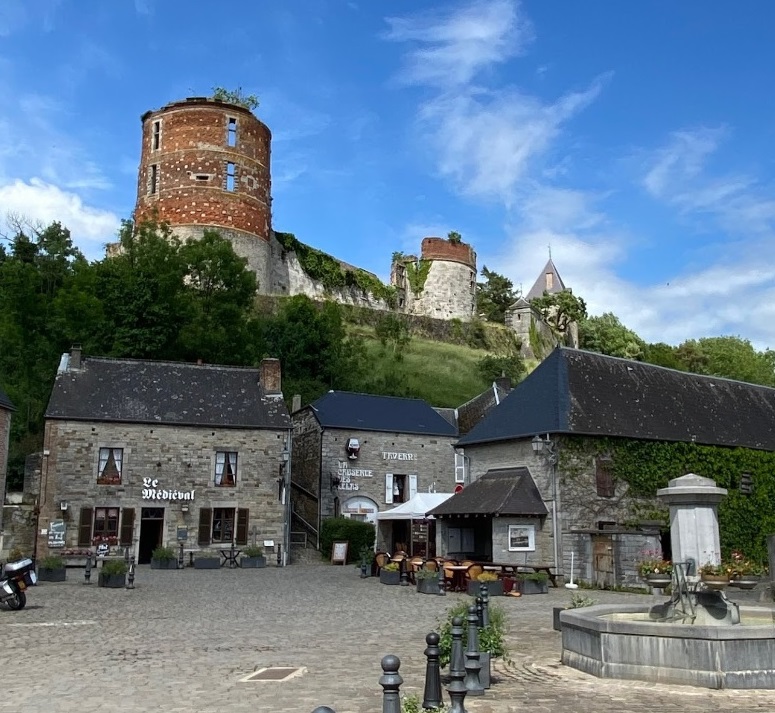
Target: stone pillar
693,502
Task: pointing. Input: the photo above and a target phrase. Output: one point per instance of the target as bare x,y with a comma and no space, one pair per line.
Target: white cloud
43,202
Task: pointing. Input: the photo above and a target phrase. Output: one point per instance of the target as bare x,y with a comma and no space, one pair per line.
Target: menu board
339,553
56,533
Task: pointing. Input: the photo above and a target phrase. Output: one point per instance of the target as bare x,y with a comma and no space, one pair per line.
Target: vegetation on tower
235,96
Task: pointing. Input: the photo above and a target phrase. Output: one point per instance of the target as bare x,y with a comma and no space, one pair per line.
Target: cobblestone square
182,641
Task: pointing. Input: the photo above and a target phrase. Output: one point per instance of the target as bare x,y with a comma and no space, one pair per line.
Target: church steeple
548,281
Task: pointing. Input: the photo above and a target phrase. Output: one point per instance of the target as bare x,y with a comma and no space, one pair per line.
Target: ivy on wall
417,274
745,520
332,274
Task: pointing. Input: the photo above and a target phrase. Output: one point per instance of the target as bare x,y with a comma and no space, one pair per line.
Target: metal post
484,591
87,571
457,689
391,684
480,609
126,556
131,583
442,584
432,695
232,557
473,665
404,581
279,555
181,556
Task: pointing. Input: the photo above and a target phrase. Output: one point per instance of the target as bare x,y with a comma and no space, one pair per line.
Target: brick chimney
270,377
296,403
75,357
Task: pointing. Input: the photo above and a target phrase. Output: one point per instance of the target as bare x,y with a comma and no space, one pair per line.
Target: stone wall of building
174,458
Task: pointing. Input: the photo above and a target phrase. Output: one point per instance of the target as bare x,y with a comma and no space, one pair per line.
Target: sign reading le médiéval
151,491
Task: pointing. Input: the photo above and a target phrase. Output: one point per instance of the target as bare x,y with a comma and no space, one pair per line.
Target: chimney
270,377
75,357
296,403
503,382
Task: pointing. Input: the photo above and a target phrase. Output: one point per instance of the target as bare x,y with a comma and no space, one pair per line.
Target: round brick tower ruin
205,164
449,288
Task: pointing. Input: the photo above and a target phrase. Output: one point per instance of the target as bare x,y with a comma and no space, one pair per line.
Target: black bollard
480,610
473,665
180,556
323,709
432,694
279,555
457,689
442,583
126,556
484,590
404,581
87,571
131,582
391,684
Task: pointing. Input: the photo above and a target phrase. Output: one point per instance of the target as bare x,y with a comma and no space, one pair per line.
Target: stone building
143,453
357,454
6,409
441,283
539,431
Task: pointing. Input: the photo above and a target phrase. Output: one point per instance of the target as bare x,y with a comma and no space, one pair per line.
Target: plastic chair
381,559
431,565
473,572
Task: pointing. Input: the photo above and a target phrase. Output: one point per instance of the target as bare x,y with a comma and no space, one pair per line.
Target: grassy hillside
442,374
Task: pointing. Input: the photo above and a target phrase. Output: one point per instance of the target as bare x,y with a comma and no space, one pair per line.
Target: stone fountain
698,636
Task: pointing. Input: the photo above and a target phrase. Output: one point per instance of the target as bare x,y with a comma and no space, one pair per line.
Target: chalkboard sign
339,553
56,533
182,534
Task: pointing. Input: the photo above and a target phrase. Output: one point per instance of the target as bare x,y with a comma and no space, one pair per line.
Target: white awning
415,508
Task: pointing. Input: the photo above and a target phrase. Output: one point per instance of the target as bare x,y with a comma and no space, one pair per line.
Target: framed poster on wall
522,538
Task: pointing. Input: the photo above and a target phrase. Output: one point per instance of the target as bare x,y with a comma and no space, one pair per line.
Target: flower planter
207,563
531,586
715,582
429,585
111,581
746,581
46,574
164,564
252,562
494,588
658,581
388,577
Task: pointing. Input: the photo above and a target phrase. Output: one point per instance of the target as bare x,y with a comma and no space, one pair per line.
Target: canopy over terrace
408,526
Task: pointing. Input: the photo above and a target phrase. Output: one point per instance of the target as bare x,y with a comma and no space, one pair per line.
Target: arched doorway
361,508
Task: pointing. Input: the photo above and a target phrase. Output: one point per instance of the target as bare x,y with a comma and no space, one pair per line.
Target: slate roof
137,391
366,412
471,412
539,286
448,414
585,393
503,491
5,402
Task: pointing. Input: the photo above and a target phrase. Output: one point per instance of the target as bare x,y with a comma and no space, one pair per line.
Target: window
109,469
154,182
231,136
230,176
226,469
223,525
604,478
522,538
105,526
460,468
156,137
400,488
549,280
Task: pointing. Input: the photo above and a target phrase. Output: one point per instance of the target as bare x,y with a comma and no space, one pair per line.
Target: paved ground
181,642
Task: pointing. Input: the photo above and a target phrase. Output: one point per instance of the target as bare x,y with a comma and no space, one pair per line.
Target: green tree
394,333
454,237
607,335
494,296
236,96
493,366
559,310
729,357
663,354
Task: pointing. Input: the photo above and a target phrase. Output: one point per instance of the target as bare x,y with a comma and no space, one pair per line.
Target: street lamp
548,448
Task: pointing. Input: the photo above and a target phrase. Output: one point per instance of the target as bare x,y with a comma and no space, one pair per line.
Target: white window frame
460,468
220,466
412,485
389,488
521,530
103,456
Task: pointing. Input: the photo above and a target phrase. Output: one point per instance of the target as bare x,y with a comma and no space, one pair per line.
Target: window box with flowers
744,573
657,572
715,576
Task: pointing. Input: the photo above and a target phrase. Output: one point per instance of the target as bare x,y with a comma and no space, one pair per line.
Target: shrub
342,529
487,577
52,562
578,600
491,637
540,577
390,567
426,574
114,567
253,551
163,554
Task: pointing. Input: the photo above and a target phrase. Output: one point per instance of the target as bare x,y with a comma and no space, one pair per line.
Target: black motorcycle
17,576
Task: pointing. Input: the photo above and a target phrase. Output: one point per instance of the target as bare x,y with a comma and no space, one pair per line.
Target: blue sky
634,138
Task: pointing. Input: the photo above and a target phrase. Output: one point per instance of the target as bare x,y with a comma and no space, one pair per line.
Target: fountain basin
619,641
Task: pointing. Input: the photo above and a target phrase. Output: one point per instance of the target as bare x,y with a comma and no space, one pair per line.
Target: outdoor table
458,570
230,556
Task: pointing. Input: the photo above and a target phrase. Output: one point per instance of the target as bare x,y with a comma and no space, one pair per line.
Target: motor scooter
17,576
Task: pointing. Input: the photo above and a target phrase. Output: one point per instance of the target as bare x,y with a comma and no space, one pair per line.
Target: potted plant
366,557
427,581
252,557
164,558
494,585
715,576
113,574
492,642
52,569
390,574
533,582
657,572
744,573
577,600
206,560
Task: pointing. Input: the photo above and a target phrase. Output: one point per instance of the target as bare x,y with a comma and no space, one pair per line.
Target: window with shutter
127,526
205,523
84,527
460,468
604,478
388,488
412,486
242,526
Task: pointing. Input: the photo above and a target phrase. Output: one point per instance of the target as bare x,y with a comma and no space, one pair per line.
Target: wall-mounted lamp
545,446
184,507
63,505
335,481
